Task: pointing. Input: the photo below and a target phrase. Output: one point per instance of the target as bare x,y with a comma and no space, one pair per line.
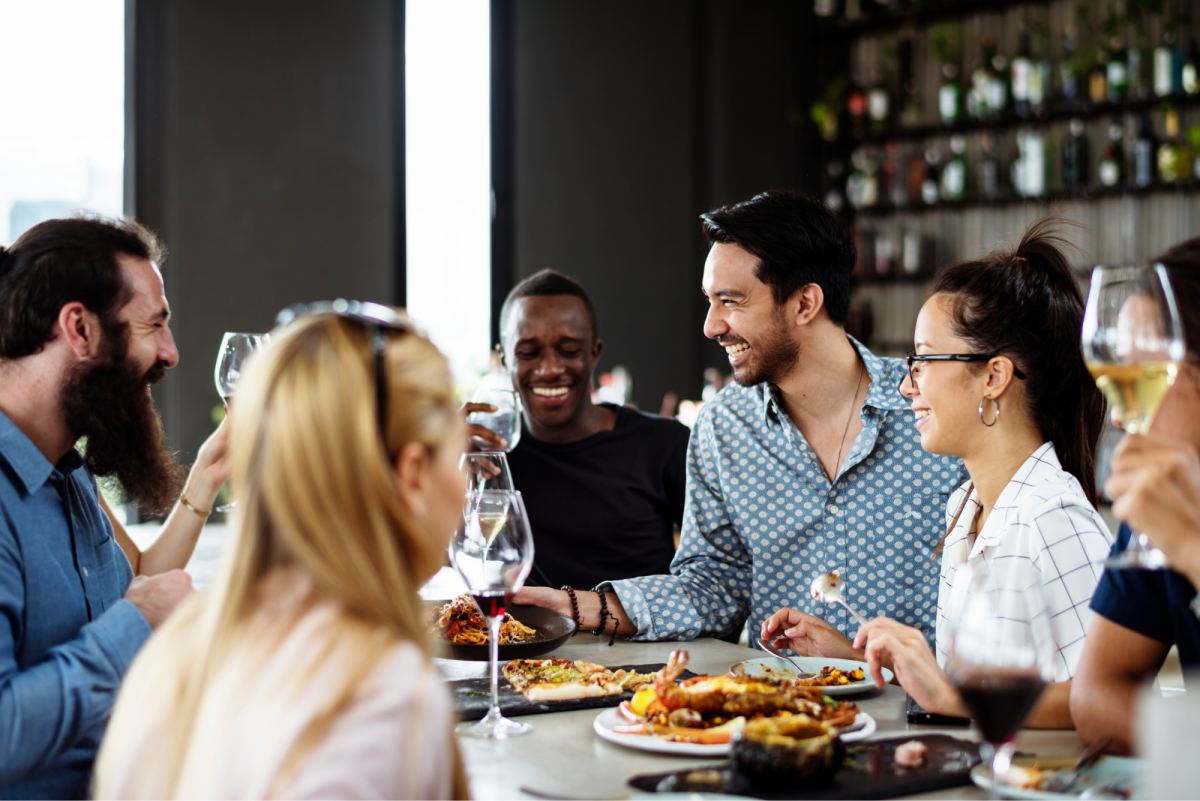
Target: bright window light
448,169
63,95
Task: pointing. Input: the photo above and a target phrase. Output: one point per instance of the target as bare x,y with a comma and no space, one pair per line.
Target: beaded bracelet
603,612
574,607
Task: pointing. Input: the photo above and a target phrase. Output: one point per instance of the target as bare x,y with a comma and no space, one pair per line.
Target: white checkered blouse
1042,529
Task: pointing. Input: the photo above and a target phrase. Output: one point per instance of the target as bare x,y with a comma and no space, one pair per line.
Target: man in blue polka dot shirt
809,463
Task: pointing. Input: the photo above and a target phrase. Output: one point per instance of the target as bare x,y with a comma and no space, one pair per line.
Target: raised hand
807,635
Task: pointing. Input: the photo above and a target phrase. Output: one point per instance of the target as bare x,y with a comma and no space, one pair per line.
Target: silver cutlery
1064,780
773,651
827,588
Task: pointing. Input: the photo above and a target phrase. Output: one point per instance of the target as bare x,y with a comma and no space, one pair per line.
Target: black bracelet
574,607
603,612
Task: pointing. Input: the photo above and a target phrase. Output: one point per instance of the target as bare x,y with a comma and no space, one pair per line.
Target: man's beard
771,359
106,401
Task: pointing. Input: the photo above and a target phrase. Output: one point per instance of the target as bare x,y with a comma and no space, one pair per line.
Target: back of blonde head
316,499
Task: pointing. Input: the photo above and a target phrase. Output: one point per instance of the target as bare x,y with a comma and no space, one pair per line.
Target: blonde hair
316,493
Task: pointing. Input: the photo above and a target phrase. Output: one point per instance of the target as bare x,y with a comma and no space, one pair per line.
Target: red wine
493,604
999,704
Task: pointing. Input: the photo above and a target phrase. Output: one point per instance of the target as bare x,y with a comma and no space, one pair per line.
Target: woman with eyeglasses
304,669
998,379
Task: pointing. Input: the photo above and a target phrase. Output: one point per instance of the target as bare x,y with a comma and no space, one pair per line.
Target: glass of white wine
492,549
1133,344
231,359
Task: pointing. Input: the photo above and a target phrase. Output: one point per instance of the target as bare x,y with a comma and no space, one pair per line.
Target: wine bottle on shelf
1168,65
824,8
1117,73
1111,169
1135,58
891,181
988,168
929,186
996,89
856,109
835,196
1029,168
1068,69
1075,156
1098,79
910,102
1145,148
1174,160
953,183
1188,78
949,95
879,104
1022,77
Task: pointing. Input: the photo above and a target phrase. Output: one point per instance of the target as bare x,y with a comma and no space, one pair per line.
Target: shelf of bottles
956,125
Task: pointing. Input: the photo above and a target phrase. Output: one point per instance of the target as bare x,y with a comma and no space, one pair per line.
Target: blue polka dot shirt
762,519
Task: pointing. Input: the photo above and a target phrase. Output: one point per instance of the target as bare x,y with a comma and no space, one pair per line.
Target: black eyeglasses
376,317
910,358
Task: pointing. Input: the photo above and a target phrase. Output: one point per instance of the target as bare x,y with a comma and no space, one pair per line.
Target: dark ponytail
1026,305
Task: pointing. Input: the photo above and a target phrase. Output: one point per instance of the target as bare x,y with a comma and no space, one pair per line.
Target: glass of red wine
1001,657
492,549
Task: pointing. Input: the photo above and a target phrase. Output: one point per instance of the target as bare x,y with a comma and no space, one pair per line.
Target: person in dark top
603,484
1155,484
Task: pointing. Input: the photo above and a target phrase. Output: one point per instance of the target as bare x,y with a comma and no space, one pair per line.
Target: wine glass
486,470
492,549
1001,657
1133,343
231,358
505,421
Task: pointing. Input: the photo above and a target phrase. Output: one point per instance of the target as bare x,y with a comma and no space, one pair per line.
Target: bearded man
810,463
83,335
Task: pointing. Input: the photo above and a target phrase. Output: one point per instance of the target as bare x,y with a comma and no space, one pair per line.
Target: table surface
563,756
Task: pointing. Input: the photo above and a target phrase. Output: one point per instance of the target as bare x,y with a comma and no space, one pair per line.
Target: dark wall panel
265,159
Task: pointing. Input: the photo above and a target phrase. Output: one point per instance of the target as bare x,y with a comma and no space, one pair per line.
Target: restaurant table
563,756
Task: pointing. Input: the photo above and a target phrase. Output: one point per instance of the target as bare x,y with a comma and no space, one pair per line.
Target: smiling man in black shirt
603,484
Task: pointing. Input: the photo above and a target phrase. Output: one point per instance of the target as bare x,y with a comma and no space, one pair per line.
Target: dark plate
553,630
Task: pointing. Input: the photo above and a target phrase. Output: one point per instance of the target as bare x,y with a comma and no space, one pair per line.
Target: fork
773,651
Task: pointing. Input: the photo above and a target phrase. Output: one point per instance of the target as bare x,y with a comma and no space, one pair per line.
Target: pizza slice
554,679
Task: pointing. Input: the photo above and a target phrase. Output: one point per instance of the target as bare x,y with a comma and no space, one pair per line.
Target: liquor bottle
1098,79
1022,78
862,187
856,107
1174,160
892,184
824,8
1145,149
1118,71
1029,168
954,174
996,92
1111,170
910,100
989,166
1068,69
1075,156
929,186
879,104
949,95
835,197
1168,65
1135,57
1188,77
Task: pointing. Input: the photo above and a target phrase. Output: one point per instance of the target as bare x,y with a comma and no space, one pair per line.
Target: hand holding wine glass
231,360
1001,657
492,549
1133,343
504,421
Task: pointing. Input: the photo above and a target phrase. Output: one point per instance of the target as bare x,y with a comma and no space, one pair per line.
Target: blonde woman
303,671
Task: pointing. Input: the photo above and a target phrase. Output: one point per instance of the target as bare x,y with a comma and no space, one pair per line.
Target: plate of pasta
527,631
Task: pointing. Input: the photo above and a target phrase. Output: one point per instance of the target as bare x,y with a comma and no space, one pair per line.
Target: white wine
491,524
1136,390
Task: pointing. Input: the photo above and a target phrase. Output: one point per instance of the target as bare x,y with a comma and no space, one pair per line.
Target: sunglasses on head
377,318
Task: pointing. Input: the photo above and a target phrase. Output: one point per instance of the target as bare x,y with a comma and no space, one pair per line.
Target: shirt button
832,509
84,569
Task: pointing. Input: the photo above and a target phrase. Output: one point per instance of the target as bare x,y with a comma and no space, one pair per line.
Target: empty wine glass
486,470
1000,658
492,549
505,421
231,359
1133,343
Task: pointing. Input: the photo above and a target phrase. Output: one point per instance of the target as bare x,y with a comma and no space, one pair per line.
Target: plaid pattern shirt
1042,530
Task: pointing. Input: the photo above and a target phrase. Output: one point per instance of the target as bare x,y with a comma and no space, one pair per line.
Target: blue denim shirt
66,635
763,520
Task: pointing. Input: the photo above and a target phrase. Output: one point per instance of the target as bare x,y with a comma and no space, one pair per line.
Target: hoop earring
995,419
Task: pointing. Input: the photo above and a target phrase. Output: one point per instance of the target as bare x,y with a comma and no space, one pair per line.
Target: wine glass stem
1001,762
494,622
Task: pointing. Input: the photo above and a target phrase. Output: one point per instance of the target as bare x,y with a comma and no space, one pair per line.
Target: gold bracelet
183,499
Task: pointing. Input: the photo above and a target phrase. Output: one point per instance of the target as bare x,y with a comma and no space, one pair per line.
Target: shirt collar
883,393
28,464
993,529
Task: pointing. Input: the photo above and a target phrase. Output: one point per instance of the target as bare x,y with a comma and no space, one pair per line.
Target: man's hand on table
1155,482
808,635
156,597
589,607
903,649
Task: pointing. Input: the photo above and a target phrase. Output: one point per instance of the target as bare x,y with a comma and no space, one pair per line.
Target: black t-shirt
603,508
1153,603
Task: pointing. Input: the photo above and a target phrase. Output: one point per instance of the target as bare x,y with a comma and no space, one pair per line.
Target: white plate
1106,770
606,720
775,668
